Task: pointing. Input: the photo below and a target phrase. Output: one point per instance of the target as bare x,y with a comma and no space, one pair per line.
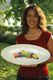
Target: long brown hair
41,18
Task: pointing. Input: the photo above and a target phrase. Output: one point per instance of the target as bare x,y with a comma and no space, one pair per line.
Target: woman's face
32,19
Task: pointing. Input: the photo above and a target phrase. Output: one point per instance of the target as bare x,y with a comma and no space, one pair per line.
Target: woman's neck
33,31
33,34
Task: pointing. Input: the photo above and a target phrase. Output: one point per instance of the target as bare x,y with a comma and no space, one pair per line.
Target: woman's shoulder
47,32
46,35
19,36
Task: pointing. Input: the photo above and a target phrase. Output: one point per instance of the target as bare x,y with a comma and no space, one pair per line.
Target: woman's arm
50,48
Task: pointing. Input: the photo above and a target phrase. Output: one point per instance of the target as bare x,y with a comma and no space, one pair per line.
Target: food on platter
24,53
15,54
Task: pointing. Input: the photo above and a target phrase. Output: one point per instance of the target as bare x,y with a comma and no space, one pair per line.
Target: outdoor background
11,12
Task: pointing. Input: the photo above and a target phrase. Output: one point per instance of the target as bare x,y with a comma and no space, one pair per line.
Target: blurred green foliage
8,34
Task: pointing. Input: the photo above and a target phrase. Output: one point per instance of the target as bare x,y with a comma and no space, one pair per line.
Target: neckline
33,39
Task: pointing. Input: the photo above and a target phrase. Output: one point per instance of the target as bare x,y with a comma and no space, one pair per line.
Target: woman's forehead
31,11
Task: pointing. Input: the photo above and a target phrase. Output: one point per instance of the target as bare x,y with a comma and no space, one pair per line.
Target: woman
34,32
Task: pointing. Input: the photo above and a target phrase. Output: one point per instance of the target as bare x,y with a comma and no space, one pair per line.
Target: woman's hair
41,18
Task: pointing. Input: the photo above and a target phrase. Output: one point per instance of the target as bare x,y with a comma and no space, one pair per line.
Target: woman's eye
29,15
32,16
35,16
